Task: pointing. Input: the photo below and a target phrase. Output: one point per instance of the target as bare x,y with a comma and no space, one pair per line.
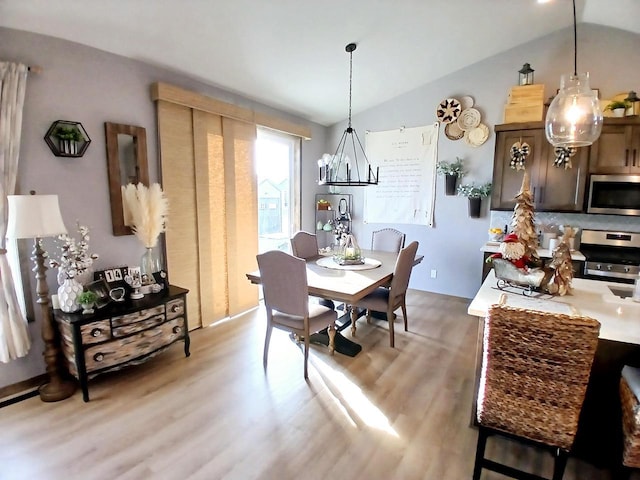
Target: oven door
614,194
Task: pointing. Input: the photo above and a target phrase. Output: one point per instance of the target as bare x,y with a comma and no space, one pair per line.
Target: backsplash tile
581,220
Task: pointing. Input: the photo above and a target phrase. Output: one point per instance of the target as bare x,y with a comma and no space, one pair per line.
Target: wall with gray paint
452,247
91,86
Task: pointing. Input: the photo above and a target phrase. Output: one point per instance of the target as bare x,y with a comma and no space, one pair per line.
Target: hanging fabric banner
406,189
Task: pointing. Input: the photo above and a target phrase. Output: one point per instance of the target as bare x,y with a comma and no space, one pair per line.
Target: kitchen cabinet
331,209
555,189
617,151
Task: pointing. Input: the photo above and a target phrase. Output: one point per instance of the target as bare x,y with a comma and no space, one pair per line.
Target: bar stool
629,393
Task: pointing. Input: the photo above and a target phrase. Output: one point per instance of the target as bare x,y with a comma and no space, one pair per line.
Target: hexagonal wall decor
67,139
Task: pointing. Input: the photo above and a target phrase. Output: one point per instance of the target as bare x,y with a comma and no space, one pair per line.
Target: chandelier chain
575,41
350,82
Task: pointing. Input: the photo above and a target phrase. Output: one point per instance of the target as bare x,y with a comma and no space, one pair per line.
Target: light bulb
574,118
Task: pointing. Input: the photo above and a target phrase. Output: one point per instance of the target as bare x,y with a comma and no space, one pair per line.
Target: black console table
122,333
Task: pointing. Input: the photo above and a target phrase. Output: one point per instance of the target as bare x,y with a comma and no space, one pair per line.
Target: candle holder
349,253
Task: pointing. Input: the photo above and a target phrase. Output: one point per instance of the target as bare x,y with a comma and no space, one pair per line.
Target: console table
122,333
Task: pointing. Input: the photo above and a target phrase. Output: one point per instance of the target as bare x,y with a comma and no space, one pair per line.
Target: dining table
347,284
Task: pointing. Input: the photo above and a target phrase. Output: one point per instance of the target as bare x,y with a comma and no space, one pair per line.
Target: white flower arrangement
74,259
145,211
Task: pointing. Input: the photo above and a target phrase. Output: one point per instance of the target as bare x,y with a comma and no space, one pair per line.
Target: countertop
494,247
619,318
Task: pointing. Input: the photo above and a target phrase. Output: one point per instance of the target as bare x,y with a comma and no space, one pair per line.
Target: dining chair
629,394
304,245
388,300
387,240
286,300
535,370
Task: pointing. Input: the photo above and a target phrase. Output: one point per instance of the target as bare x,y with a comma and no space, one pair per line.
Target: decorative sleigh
508,275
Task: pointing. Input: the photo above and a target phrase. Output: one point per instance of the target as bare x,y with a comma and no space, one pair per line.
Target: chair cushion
632,376
376,300
320,317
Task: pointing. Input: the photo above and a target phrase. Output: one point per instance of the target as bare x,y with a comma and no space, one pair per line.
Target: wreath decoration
519,153
563,156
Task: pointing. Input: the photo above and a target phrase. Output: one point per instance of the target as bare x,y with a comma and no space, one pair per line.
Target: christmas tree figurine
562,267
522,221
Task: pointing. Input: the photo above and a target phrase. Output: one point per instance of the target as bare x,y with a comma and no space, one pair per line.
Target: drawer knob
177,329
96,332
175,308
98,357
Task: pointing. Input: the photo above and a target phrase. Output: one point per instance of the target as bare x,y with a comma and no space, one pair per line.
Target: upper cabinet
617,151
553,188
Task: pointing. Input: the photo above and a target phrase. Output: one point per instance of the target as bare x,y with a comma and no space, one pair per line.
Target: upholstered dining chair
286,300
535,370
390,299
387,240
304,245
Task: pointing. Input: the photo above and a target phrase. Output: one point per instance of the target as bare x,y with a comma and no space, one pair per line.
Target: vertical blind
207,164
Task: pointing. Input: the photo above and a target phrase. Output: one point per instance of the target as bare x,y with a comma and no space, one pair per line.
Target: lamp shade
574,118
34,216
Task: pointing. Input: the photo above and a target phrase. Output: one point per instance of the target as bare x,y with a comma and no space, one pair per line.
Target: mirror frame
139,135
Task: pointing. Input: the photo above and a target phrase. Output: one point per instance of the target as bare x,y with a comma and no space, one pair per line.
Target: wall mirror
127,163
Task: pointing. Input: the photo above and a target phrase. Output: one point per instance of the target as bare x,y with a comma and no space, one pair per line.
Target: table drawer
175,308
122,350
96,332
137,317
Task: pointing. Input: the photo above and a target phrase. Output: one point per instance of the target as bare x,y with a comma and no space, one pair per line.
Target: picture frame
101,289
113,276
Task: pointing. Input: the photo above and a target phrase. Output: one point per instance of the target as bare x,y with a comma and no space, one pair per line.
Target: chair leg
482,443
306,355
390,321
560,463
404,315
368,316
266,344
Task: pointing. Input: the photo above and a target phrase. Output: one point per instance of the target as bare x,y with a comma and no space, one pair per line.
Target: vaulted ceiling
290,54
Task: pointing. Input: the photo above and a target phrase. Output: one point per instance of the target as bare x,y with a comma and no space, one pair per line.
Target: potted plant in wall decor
68,138
451,171
618,107
475,193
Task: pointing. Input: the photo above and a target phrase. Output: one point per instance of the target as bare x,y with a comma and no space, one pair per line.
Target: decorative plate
448,110
466,102
469,119
477,136
453,131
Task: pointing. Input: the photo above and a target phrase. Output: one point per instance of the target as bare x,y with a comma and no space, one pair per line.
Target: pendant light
344,168
574,118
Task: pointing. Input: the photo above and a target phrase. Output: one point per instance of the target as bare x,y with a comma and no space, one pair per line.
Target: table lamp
38,216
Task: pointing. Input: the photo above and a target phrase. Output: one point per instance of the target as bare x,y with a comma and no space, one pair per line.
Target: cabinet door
615,151
560,189
507,181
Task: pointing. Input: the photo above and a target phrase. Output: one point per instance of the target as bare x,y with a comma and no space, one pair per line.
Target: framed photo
101,289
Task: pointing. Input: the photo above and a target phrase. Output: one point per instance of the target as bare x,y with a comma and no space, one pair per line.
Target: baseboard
21,391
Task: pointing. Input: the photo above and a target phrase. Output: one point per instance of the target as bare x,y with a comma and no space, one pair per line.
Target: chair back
535,370
387,240
304,245
402,270
284,282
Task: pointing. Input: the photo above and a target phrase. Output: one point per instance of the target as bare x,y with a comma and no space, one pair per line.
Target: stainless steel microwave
614,194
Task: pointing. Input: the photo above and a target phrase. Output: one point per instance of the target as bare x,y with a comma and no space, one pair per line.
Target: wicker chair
535,370
629,391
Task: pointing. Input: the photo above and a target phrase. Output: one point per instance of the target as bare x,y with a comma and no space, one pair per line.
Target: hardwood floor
387,413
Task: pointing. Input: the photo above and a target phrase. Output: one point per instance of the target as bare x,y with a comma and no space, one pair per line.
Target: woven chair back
535,370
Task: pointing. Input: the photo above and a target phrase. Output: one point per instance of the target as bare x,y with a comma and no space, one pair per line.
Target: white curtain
14,333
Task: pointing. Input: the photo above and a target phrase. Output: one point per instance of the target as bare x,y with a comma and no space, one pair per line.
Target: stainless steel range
611,256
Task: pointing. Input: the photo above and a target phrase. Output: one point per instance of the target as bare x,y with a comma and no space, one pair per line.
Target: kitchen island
599,437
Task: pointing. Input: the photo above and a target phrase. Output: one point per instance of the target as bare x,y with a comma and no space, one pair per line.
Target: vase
149,264
450,184
68,295
474,206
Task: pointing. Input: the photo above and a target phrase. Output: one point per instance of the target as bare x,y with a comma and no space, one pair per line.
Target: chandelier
345,168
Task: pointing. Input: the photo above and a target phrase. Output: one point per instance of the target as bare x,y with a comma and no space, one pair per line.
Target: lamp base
56,390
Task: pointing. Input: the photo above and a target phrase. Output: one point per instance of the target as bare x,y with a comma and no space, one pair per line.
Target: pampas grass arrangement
145,211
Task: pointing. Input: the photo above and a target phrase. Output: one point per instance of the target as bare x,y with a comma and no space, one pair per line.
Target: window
278,171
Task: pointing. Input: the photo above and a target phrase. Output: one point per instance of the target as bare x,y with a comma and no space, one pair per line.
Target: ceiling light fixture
574,118
342,169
